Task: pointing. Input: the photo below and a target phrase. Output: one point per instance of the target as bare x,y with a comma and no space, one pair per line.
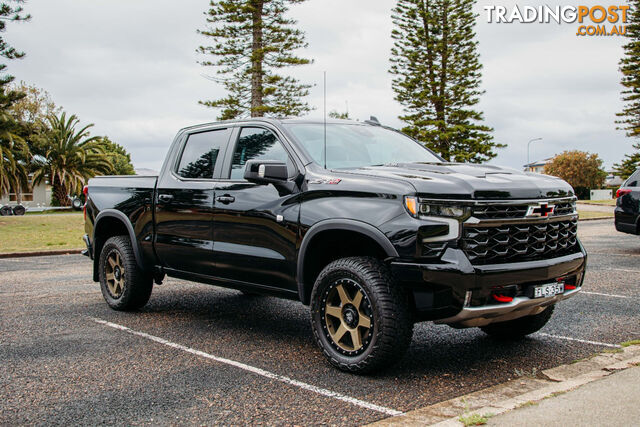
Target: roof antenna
325,119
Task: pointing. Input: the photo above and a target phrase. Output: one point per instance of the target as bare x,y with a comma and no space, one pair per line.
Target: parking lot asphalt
204,355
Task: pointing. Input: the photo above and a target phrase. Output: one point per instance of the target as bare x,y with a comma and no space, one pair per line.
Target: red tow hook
502,298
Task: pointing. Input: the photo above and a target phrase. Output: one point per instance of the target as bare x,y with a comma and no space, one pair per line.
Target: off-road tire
388,308
137,285
518,328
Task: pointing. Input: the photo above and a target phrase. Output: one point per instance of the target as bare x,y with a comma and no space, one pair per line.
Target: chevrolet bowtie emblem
541,210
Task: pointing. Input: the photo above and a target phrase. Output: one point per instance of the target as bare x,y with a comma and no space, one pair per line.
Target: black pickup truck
362,223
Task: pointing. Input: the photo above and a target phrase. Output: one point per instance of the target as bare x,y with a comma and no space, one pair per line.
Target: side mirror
266,171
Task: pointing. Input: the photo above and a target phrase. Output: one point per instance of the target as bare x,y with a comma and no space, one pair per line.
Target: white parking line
559,337
254,370
604,295
623,270
611,253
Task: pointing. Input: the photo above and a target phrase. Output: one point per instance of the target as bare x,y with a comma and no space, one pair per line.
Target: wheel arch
306,272
109,223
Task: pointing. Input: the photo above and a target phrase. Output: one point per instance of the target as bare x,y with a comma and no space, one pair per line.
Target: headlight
418,209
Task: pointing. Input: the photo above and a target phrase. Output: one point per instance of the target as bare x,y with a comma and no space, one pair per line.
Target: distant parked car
627,210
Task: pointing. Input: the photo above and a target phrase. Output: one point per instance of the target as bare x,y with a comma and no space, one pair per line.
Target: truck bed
125,193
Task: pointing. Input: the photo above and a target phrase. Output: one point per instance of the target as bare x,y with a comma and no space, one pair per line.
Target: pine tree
629,164
251,40
630,68
335,114
13,172
435,61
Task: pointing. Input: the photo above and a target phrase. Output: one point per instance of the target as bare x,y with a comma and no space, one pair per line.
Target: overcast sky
129,66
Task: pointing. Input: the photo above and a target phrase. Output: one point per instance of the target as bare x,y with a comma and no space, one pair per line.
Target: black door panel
255,231
255,236
184,238
184,205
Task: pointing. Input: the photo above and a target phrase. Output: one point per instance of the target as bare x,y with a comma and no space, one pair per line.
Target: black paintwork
627,211
255,236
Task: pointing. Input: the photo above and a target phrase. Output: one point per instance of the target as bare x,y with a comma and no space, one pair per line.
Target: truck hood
470,181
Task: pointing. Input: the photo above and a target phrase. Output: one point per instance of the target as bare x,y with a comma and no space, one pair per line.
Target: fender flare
113,213
338,224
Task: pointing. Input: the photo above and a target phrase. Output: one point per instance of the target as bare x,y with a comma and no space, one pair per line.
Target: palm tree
13,172
71,158
14,153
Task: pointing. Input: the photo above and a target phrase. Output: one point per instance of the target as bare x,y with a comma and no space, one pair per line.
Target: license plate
549,290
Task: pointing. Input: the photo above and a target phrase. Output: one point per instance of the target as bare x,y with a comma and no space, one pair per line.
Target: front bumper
440,291
519,307
626,221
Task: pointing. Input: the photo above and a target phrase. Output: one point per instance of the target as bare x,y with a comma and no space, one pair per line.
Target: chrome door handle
165,198
226,199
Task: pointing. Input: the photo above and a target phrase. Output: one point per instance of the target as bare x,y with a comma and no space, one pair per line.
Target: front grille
517,211
500,212
520,242
433,250
565,208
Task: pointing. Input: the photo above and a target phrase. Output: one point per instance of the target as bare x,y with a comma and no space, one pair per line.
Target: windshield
355,146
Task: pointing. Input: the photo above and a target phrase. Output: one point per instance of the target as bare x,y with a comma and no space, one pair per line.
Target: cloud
130,67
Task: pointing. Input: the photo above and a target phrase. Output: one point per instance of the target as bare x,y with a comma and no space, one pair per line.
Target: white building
613,179
33,196
537,167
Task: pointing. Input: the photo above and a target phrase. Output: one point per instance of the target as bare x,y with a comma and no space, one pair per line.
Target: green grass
527,404
608,202
629,343
474,419
41,233
591,214
555,394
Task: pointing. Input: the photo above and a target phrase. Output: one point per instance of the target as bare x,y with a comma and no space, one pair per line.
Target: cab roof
282,121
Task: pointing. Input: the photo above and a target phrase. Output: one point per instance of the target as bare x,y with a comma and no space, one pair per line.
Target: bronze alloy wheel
114,273
347,317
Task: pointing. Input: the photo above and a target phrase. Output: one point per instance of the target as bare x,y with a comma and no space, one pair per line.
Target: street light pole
529,145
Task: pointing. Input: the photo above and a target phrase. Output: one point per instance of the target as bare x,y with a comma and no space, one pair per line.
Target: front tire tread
395,330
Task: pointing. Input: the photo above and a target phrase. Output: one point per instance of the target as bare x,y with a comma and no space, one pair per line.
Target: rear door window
201,153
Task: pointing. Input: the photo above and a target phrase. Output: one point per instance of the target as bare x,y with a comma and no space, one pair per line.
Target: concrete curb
40,253
518,392
580,202
596,218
